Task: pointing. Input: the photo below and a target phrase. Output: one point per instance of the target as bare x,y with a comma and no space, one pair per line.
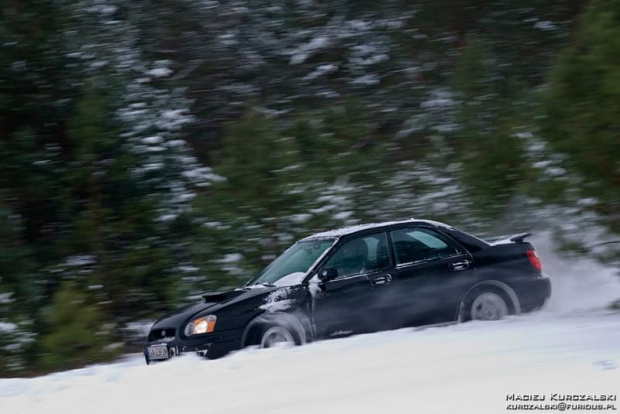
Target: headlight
205,324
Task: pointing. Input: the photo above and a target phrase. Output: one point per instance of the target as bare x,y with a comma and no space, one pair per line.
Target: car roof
345,231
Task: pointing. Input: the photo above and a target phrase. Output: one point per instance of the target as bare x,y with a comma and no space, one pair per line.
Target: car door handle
458,266
381,280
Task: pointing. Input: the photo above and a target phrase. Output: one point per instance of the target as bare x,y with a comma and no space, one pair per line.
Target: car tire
488,306
266,332
276,335
468,312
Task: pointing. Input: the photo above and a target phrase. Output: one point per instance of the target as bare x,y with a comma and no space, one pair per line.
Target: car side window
361,255
417,244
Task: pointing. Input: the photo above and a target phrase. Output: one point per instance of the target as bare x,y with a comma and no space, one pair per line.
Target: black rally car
361,279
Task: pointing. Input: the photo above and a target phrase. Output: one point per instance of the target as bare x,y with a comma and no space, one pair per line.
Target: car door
357,298
433,273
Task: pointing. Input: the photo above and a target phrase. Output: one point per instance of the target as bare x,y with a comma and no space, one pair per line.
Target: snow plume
578,283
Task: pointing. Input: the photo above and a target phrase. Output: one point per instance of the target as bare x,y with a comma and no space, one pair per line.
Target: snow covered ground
572,347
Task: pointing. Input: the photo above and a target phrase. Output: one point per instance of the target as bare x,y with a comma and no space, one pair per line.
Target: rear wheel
488,306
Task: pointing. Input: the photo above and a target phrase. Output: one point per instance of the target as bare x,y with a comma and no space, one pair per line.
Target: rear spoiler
519,238
516,238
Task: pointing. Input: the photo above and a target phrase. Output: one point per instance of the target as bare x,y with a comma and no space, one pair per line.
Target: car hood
212,301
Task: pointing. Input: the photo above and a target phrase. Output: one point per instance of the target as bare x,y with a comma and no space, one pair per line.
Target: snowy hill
569,348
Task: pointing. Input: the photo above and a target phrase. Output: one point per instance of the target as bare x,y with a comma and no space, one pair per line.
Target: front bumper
211,346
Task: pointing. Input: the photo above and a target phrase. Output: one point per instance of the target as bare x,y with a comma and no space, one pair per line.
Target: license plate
158,352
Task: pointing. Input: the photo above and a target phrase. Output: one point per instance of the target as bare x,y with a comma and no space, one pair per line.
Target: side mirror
328,274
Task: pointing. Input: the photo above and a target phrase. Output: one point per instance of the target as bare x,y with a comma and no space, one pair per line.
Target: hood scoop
215,297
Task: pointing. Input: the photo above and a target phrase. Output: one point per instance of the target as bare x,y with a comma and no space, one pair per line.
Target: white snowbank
467,368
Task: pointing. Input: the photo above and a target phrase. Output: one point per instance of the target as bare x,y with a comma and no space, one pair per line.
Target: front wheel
275,336
488,306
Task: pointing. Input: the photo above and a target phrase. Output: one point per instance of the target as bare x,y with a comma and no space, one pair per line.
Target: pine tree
77,334
487,121
583,107
17,296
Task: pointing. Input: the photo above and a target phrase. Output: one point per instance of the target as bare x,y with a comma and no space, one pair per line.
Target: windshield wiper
263,284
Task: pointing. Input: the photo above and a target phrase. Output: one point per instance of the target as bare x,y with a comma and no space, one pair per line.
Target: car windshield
292,265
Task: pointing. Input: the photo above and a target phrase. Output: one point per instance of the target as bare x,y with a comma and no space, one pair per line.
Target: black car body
361,279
